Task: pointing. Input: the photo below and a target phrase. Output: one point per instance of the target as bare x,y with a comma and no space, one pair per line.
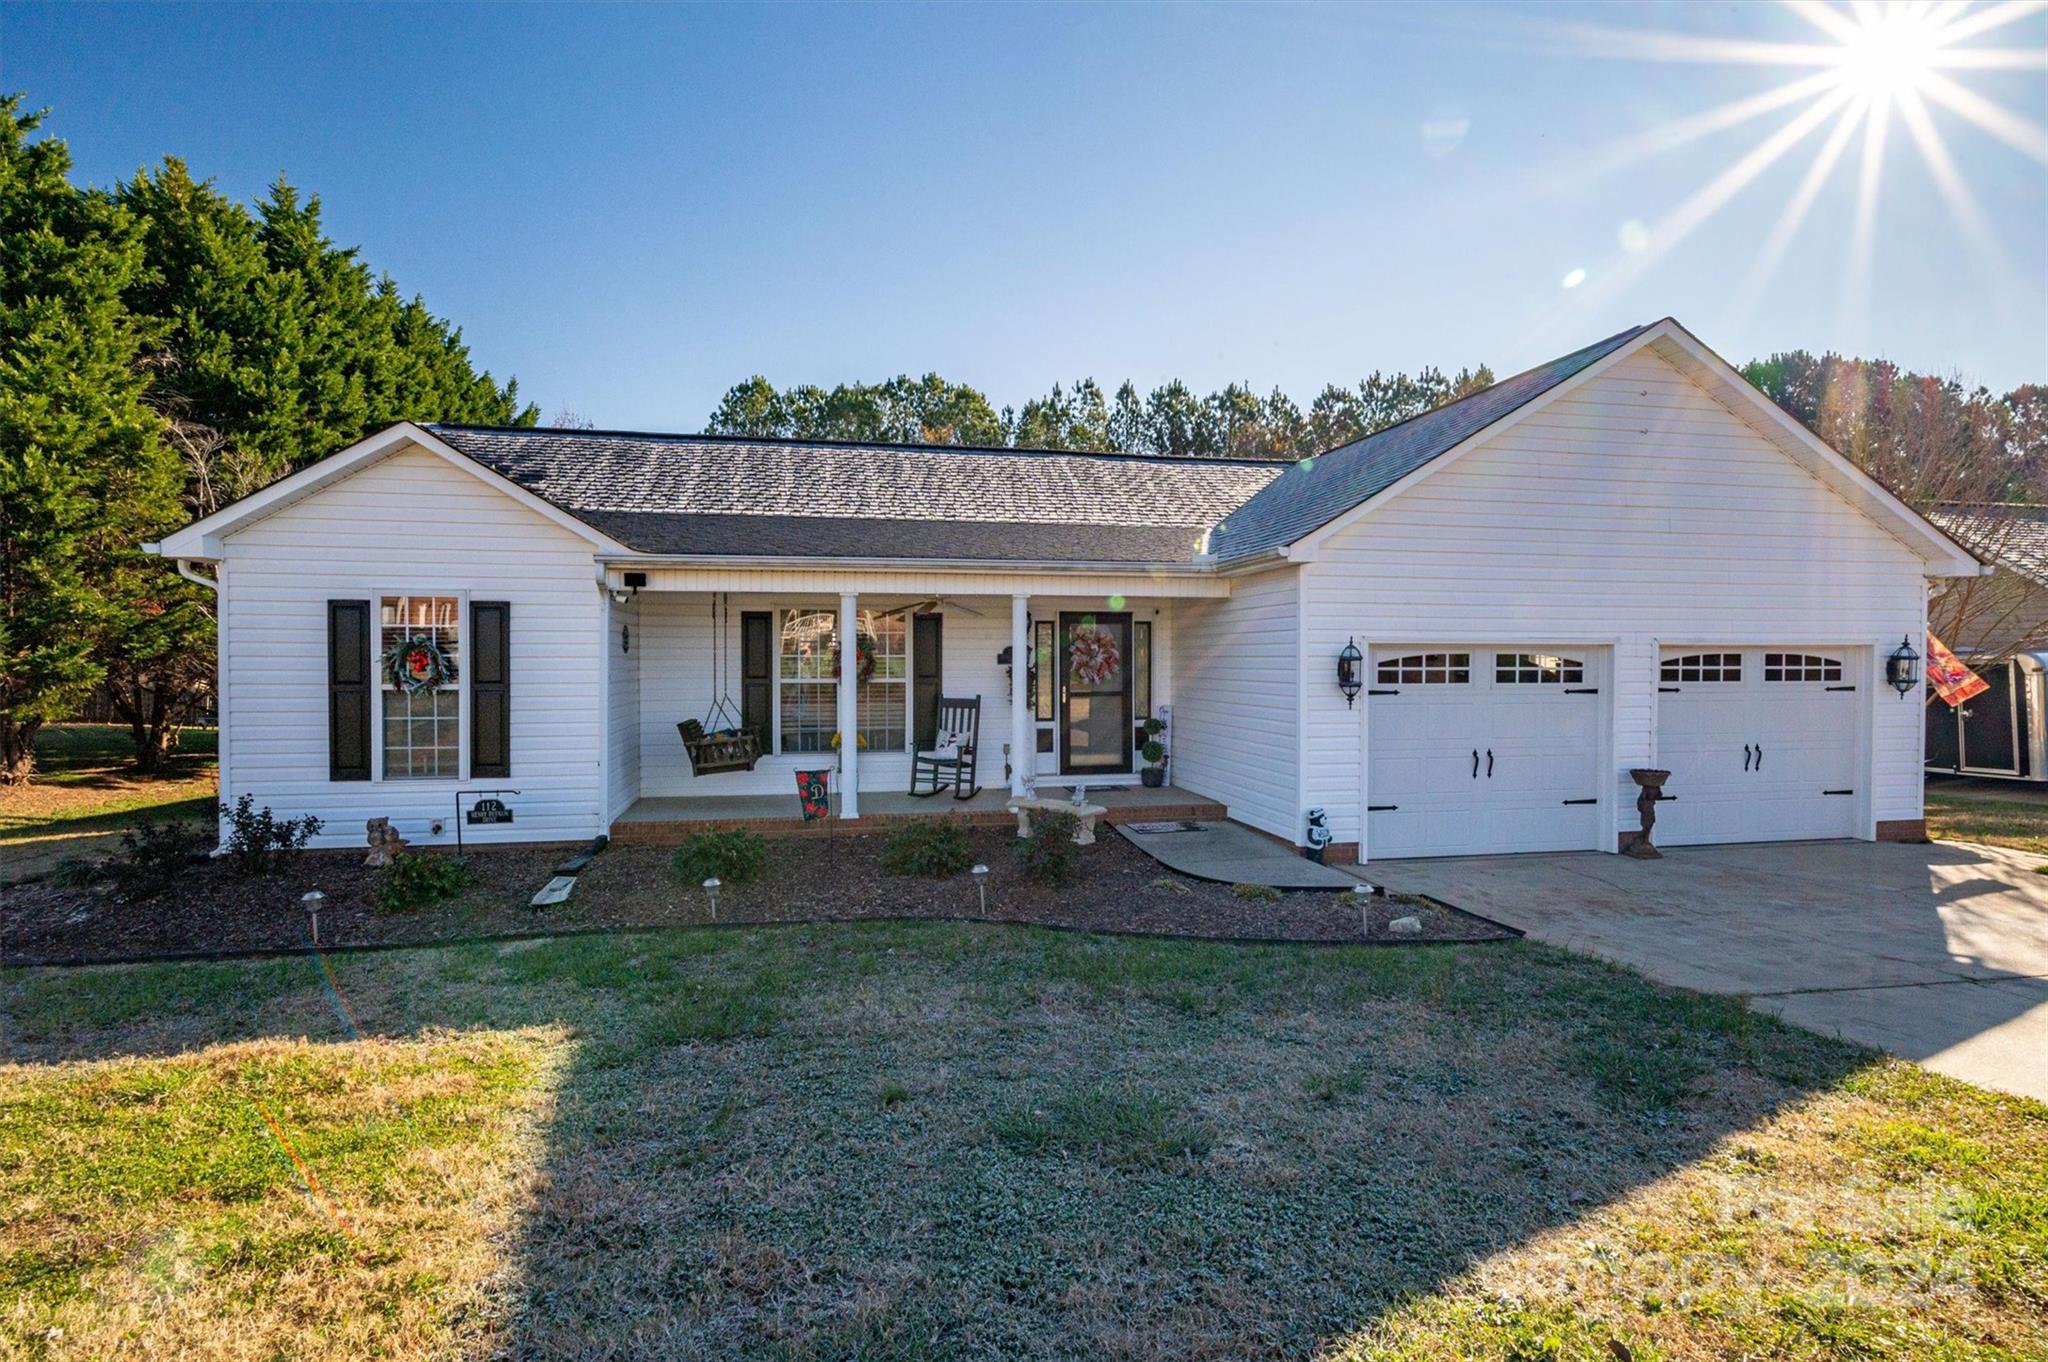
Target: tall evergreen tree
83,475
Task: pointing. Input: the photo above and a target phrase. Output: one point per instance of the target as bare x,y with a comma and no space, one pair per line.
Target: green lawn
1994,822
936,1141
84,795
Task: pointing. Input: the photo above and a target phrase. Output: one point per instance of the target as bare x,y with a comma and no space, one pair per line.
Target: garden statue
385,843
1652,783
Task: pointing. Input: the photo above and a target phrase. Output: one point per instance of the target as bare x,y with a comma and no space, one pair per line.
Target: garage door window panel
1427,669
1801,667
1537,669
1703,668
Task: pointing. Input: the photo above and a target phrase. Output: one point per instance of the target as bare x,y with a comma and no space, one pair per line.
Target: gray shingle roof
690,494
1318,490
2011,534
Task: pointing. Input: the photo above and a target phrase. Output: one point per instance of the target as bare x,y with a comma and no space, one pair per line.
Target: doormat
1181,826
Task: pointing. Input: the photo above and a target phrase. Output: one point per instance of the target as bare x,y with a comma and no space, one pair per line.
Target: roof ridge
912,446
1623,334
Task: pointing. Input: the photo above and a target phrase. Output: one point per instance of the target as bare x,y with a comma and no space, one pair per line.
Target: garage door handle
1746,755
1475,763
1838,792
1594,800
1489,763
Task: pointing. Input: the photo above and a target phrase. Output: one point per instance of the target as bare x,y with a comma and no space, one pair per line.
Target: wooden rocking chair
952,761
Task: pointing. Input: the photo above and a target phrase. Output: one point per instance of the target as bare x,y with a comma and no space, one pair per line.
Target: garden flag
1953,681
810,792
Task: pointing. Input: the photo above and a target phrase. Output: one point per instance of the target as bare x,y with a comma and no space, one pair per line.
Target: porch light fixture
1350,672
1902,668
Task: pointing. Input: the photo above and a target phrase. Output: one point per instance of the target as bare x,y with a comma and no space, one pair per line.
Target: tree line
1171,420
164,350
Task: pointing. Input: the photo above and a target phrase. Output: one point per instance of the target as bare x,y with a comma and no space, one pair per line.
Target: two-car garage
1505,747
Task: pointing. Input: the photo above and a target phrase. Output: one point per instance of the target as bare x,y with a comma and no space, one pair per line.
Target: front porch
663,819
1069,683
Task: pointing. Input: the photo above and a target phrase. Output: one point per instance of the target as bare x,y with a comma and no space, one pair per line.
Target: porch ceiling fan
926,606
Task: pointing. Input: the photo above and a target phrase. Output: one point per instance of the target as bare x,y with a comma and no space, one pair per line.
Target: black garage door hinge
1668,690
1383,692
1584,690
1381,808
1841,688
1594,800
1837,792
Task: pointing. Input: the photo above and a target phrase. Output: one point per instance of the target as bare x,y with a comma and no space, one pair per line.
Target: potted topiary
1154,753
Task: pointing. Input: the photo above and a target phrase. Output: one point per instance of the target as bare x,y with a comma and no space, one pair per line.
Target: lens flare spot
1573,280
1116,602
1634,236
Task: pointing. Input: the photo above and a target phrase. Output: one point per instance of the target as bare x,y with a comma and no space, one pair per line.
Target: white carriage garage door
1484,749
1763,744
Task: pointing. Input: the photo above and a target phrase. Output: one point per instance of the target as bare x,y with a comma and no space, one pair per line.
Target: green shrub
731,856
1048,855
934,848
415,879
258,840
153,856
76,872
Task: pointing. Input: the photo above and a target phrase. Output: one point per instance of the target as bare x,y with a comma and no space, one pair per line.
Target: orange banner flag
1953,681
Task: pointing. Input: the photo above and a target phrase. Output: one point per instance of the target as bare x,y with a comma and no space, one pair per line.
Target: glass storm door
1095,693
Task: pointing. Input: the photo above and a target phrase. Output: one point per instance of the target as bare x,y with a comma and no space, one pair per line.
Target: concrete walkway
1938,953
1233,854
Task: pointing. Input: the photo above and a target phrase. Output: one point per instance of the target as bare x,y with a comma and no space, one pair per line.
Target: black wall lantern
1902,668
1350,672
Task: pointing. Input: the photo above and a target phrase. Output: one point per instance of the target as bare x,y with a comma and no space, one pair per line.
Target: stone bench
1084,814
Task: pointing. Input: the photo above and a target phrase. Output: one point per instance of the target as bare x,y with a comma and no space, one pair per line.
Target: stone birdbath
1647,799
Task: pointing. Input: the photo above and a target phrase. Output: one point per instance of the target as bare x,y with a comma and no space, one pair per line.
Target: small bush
934,848
732,856
76,872
1256,893
1167,884
893,1093
415,879
153,856
1048,855
258,840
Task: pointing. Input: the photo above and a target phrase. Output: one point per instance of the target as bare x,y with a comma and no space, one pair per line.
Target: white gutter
793,562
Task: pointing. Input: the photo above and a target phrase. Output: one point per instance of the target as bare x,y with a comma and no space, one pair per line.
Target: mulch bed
1116,889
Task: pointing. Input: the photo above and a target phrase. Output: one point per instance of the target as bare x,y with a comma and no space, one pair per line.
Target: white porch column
1023,731
849,709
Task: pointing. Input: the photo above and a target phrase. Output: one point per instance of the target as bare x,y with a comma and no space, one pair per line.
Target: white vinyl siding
1633,511
414,522
1235,726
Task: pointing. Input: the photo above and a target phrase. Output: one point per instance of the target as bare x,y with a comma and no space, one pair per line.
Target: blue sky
632,208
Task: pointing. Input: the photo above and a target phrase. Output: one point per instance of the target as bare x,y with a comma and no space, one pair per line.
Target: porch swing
720,741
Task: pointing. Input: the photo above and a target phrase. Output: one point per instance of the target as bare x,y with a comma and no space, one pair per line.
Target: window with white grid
808,658
419,679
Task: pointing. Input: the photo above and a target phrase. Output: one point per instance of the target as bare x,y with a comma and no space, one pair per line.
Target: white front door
1484,749
1762,744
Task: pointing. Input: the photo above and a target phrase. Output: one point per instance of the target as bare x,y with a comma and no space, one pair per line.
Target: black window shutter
757,673
348,690
490,690
927,658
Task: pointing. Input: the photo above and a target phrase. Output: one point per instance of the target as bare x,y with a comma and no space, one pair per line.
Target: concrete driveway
1938,953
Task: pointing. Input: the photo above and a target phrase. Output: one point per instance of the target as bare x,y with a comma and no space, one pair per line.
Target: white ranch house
1627,557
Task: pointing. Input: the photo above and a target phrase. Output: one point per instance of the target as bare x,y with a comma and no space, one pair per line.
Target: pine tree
83,475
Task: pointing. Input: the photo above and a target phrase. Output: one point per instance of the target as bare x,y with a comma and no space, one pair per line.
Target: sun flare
1868,69
1890,52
